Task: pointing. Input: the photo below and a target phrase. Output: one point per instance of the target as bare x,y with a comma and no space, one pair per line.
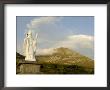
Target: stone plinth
29,67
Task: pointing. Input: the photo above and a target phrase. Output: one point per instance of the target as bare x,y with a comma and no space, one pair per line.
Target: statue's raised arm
35,43
36,36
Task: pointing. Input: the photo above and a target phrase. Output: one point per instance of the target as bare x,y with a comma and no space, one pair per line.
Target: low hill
67,57
19,56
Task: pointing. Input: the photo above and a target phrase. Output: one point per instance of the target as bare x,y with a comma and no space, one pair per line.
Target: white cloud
76,41
36,22
46,51
81,37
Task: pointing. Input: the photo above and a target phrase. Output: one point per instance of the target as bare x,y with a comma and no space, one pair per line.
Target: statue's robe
29,49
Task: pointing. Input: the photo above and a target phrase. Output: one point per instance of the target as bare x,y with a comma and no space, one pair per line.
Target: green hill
67,57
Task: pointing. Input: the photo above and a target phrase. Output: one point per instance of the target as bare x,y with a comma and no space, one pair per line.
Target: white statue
29,46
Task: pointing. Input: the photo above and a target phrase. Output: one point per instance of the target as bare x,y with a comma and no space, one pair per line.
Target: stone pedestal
29,67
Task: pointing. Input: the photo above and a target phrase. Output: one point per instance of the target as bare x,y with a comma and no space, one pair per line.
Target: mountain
67,57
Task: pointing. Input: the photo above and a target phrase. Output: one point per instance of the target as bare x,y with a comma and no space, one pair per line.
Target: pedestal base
30,59
29,67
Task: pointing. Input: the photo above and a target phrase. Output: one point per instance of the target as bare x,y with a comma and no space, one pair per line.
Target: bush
64,69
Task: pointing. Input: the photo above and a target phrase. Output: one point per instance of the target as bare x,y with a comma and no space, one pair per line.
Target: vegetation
64,69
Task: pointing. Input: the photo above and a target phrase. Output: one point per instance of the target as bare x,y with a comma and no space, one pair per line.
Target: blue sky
75,32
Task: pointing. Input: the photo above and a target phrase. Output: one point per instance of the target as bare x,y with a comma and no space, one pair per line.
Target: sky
74,32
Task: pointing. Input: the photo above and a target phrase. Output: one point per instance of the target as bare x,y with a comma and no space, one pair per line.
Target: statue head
29,34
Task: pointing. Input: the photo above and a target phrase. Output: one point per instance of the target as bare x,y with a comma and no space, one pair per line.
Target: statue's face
29,34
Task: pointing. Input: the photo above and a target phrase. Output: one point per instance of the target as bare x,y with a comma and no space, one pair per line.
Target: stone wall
27,67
